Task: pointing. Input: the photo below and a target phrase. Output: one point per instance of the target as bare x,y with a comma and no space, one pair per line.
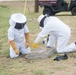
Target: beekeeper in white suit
59,32
18,35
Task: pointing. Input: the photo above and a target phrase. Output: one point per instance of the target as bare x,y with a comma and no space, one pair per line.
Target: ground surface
22,66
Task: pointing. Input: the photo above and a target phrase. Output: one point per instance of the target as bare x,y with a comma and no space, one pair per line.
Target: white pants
52,41
21,48
61,43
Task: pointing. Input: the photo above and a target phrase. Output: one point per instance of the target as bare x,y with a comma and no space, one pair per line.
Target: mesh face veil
42,22
20,25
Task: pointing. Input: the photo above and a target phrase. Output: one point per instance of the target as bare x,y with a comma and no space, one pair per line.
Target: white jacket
17,35
53,25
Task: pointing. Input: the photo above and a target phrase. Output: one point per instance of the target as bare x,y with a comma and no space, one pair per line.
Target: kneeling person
18,35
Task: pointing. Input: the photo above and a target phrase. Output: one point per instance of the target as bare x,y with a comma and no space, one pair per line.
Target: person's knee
59,51
13,56
27,51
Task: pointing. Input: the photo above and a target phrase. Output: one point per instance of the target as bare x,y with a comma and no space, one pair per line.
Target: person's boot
62,57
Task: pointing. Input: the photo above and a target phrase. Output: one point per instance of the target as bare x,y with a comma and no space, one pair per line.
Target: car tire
73,11
48,11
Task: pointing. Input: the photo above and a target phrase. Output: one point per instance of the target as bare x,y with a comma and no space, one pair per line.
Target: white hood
17,18
40,18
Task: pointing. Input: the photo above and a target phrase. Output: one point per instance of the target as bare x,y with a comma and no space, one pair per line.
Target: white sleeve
26,30
37,39
45,31
10,34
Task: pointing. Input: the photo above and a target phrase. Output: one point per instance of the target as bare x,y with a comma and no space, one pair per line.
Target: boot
63,57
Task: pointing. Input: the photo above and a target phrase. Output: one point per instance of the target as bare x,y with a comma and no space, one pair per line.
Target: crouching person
59,34
18,35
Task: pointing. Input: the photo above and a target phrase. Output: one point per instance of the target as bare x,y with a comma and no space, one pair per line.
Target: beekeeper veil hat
17,20
41,20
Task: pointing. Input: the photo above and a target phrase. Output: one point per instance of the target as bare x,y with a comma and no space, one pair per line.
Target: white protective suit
18,35
59,32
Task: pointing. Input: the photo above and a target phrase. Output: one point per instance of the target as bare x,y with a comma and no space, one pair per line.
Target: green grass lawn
22,66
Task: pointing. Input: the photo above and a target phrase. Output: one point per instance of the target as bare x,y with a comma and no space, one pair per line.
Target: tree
36,6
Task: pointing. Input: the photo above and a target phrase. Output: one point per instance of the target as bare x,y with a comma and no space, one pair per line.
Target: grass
22,66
